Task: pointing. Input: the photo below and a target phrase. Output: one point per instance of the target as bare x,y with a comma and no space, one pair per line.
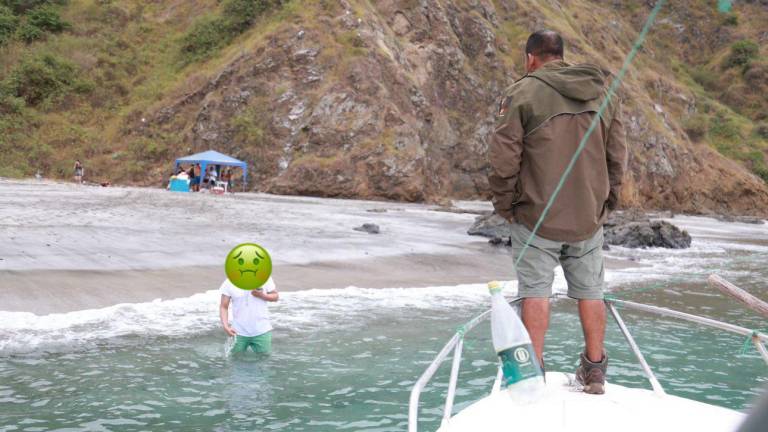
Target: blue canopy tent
211,157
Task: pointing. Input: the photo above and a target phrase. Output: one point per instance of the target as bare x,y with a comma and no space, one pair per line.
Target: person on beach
226,177
196,178
78,172
250,324
541,121
230,181
212,175
182,174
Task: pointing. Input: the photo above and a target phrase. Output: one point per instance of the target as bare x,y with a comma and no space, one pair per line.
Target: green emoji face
248,266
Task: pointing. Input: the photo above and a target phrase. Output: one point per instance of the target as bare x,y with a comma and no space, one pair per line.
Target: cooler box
179,185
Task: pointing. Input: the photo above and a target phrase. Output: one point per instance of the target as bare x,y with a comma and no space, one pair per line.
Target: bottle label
519,363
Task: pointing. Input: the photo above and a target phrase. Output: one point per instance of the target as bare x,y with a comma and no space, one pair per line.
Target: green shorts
582,264
259,344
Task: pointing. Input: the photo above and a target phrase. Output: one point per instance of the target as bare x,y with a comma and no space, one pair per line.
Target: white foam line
314,309
23,332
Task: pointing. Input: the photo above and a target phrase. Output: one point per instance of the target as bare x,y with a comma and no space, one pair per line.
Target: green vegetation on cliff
72,72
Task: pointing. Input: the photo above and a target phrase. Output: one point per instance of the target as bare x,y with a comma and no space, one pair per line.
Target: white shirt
250,315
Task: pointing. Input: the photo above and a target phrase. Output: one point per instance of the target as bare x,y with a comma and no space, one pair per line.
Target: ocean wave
309,310
313,309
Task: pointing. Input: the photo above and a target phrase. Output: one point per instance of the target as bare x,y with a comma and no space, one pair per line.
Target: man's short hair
545,44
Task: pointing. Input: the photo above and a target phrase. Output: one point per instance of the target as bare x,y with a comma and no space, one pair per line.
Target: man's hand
229,331
270,297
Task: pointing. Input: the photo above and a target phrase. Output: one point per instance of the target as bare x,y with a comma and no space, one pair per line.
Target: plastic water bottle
522,374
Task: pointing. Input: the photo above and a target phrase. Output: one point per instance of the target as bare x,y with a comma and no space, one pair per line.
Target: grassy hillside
66,94
79,77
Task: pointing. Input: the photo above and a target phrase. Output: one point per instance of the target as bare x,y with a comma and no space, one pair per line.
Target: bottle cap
494,287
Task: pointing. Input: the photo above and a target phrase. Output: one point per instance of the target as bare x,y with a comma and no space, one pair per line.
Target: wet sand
59,291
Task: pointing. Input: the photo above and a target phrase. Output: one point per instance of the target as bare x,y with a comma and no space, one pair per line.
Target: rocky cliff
395,99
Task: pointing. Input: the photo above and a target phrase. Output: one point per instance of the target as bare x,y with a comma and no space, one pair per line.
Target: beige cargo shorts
582,264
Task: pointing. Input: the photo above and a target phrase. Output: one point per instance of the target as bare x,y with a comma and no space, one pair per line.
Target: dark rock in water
647,234
606,247
495,241
492,226
740,219
370,228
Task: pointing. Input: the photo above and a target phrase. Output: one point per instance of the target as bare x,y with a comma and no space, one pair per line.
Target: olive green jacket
541,121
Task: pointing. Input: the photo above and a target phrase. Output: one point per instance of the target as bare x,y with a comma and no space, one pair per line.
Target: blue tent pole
245,175
203,166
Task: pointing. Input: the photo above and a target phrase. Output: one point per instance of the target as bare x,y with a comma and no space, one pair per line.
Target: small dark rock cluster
370,228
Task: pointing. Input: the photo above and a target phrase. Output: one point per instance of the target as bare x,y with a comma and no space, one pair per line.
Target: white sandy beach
65,247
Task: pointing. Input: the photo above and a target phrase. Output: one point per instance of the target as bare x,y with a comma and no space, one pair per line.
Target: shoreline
61,291
456,207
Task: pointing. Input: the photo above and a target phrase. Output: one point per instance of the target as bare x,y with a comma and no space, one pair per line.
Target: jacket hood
582,82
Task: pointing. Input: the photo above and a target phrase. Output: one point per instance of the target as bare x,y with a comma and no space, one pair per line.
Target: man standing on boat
541,121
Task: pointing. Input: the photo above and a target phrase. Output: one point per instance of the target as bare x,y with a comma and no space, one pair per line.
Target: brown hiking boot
592,375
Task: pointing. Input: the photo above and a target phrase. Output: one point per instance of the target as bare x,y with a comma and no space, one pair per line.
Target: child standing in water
250,316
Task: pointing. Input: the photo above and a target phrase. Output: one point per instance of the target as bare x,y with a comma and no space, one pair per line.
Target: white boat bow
563,408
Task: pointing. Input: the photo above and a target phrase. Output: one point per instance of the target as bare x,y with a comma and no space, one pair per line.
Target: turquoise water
354,377
347,359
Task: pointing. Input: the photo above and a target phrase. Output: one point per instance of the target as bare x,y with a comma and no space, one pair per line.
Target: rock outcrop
632,229
648,234
492,226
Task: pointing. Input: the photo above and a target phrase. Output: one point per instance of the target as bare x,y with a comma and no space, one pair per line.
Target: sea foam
23,332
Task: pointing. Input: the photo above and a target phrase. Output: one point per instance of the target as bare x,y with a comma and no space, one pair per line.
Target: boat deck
562,407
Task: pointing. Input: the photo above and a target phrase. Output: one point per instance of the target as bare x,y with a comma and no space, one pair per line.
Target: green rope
595,121
748,340
461,331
